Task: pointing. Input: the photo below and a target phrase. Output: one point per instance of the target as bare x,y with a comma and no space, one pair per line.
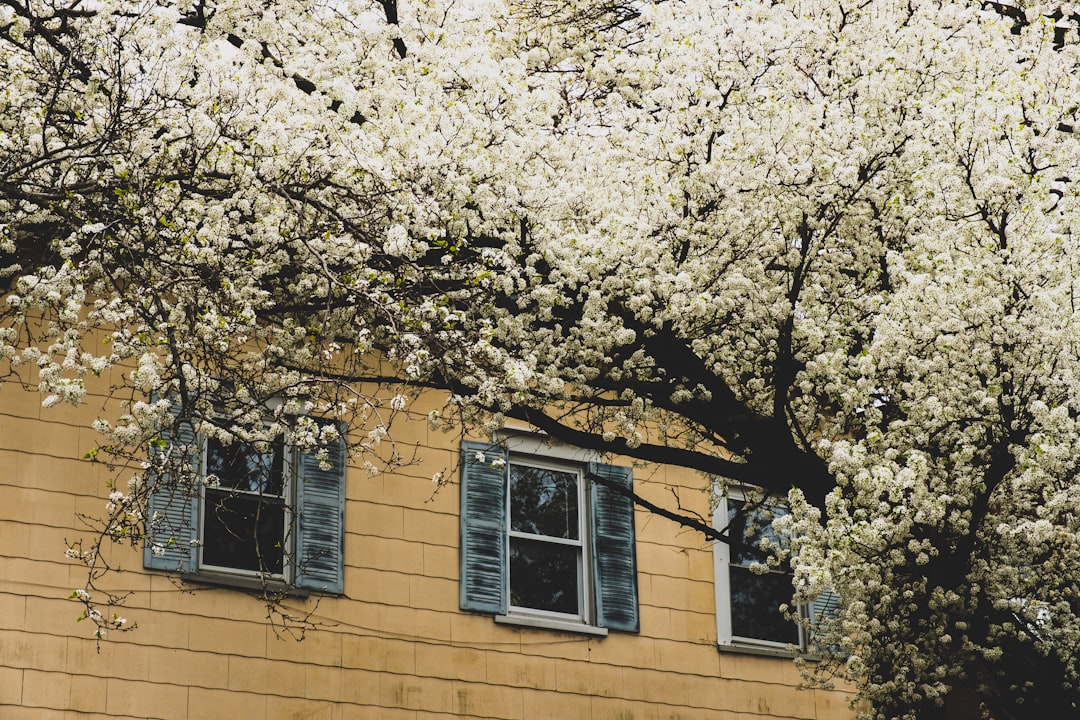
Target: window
547,542
243,507
256,514
748,602
546,563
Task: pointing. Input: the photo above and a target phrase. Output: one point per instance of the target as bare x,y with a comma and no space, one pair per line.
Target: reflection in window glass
543,576
544,501
755,602
241,467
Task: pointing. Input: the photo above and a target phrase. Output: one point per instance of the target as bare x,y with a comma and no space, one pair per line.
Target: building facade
528,587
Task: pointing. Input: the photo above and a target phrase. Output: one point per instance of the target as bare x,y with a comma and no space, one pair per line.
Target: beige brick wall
396,646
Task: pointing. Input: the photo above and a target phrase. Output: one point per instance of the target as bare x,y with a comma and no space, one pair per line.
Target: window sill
761,650
550,624
243,582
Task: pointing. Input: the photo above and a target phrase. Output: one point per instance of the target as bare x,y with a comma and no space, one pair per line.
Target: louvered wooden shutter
823,608
173,505
613,549
484,468
320,520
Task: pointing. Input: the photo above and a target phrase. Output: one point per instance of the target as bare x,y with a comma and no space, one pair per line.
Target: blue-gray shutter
614,553
320,520
172,518
484,469
822,609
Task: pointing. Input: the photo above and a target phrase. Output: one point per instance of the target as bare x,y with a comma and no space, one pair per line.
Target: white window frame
726,637
585,580
233,574
531,448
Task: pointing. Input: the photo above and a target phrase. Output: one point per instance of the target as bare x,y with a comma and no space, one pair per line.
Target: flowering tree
823,247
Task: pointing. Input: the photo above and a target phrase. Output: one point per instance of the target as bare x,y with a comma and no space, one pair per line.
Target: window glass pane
239,466
755,606
544,576
747,529
544,501
243,531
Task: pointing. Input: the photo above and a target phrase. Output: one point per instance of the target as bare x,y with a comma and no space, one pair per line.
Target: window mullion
545,538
